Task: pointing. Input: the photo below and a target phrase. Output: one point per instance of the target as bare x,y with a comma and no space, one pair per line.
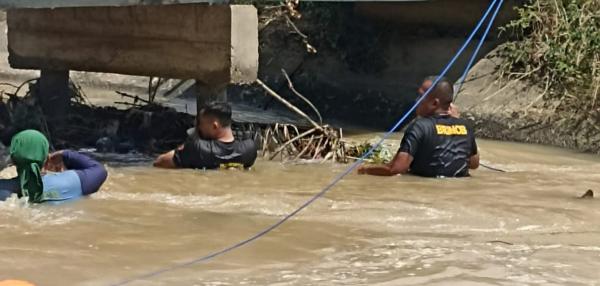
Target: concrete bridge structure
213,42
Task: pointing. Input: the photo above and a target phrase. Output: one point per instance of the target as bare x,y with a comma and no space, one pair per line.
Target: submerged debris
588,195
380,155
321,142
290,143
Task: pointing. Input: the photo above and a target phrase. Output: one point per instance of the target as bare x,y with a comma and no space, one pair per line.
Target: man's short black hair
220,110
444,90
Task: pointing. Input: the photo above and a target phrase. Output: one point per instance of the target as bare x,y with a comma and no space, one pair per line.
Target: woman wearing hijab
43,177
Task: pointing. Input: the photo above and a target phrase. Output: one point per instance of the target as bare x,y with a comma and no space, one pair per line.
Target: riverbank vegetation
557,47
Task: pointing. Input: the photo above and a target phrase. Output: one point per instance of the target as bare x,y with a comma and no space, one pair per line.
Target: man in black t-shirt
437,144
211,145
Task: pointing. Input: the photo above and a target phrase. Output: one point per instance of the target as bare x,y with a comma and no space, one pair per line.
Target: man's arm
474,159
92,173
399,165
404,157
165,161
474,162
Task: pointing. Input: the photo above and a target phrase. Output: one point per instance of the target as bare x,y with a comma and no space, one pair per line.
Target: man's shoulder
199,144
461,121
246,141
449,120
246,145
453,126
423,123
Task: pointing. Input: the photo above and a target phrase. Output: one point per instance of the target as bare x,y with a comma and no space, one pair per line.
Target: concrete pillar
54,94
207,93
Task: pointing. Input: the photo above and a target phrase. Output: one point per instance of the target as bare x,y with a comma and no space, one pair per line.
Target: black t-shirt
198,153
440,145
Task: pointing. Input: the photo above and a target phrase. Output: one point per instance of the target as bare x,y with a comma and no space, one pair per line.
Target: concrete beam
13,4
445,14
206,94
217,44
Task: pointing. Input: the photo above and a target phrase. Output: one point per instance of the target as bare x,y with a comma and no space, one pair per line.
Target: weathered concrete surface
11,4
88,79
446,14
174,41
244,43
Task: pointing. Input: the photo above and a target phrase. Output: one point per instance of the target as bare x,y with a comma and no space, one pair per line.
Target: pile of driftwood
287,142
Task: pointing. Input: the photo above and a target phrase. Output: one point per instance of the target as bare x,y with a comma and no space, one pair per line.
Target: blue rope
463,77
336,180
492,168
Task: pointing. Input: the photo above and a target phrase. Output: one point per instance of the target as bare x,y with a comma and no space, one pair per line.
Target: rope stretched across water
337,179
492,168
463,77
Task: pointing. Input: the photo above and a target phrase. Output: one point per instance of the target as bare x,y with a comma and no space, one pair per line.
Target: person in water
437,143
42,177
211,145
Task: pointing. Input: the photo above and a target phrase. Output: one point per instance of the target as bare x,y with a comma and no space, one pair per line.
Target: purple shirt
91,173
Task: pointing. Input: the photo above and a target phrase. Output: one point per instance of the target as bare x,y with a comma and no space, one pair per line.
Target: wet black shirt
440,146
198,153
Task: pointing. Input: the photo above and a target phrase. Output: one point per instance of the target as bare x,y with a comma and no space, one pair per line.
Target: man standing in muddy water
437,143
211,145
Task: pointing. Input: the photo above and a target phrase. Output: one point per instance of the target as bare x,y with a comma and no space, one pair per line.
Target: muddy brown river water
523,227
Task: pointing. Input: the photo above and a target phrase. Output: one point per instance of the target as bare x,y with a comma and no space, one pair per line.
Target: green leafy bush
558,46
